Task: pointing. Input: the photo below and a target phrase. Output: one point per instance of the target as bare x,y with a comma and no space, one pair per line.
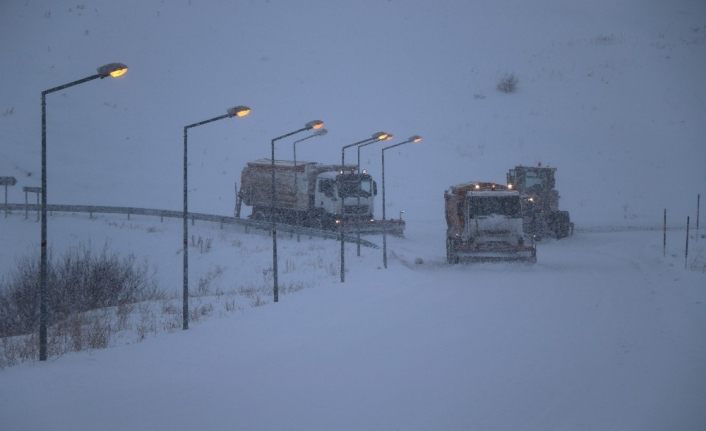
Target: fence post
26,206
686,249
664,234
698,209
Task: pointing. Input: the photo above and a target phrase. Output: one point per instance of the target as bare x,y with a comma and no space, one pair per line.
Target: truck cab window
366,186
326,187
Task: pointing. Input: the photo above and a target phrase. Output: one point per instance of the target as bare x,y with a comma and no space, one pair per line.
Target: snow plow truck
314,195
484,223
540,201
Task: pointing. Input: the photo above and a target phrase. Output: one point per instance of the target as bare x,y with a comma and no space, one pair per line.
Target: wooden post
698,208
686,249
664,234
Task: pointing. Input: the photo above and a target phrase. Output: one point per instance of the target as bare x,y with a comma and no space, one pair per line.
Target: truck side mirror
375,188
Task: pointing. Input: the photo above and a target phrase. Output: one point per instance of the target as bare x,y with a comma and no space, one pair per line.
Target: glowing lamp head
477,187
114,70
509,186
381,136
239,111
316,125
415,139
531,199
365,171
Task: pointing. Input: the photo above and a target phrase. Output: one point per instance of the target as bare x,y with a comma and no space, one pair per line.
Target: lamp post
383,137
238,112
319,132
311,125
113,70
379,136
415,139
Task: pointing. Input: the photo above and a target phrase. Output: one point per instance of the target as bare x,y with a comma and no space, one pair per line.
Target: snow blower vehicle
540,201
484,223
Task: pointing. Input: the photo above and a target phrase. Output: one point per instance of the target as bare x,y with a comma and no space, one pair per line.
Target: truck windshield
533,179
542,177
354,186
500,205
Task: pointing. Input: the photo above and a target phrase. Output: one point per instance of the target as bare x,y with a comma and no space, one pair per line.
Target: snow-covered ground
602,333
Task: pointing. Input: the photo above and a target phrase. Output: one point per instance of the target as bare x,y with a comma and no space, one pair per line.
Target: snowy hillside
609,92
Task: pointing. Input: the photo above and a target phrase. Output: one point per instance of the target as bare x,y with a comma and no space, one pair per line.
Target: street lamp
414,139
239,112
113,70
319,132
311,125
379,136
382,136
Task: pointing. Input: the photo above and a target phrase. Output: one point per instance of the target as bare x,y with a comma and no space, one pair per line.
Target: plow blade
496,253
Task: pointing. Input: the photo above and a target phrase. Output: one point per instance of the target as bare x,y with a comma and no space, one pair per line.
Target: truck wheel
532,259
258,215
451,257
561,224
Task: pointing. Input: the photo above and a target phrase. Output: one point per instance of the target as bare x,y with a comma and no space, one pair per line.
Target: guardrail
262,225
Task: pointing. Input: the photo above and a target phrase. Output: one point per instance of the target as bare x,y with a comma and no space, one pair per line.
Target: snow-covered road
602,334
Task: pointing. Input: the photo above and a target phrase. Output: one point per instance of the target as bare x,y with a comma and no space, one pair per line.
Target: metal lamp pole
415,139
113,70
238,111
320,132
311,125
379,136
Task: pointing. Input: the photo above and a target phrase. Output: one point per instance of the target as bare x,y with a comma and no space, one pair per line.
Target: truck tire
561,224
258,214
533,258
451,256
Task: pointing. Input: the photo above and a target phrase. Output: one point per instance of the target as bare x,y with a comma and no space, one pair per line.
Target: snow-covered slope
603,333
610,93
